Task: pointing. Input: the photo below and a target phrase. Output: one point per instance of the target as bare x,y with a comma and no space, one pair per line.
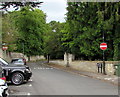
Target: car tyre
17,78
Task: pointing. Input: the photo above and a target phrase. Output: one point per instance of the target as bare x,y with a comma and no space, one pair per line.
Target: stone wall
89,66
33,58
68,57
16,55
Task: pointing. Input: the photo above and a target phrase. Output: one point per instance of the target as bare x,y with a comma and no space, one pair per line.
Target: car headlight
2,82
27,70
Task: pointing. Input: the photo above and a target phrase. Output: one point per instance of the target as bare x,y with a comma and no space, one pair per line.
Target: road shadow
25,82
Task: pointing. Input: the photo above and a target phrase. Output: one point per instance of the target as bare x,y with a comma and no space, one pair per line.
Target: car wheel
17,78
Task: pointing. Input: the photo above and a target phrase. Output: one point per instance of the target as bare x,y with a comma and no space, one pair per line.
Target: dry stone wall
88,66
20,55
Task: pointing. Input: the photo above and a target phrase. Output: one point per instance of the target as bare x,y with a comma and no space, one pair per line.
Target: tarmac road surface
51,81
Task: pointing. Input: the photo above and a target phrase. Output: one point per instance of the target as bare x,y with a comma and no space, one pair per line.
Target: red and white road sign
103,46
4,47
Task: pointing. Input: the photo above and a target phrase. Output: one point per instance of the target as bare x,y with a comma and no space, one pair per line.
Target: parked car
17,74
3,84
18,61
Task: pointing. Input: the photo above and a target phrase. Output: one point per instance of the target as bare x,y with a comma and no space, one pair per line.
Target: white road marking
107,78
28,94
44,68
30,85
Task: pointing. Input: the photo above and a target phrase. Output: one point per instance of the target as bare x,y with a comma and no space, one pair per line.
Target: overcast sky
54,9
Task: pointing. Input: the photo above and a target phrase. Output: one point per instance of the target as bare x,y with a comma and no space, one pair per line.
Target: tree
87,24
17,5
82,20
52,40
9,32
110,22
31,26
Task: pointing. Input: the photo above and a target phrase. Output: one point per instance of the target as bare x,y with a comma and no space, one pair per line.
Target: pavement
113,79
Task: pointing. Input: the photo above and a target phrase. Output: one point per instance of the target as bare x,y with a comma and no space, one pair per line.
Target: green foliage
52,42
81,35
9,32
66,38
17,5
31,26
87,23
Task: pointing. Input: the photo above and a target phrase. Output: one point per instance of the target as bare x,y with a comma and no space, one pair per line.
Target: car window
20,60
3,61
17,60
13,60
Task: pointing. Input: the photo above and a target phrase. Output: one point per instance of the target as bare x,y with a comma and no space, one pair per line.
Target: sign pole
103,46
4,47
104,71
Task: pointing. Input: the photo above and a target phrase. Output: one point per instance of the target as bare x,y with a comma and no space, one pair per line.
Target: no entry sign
103,46
4,47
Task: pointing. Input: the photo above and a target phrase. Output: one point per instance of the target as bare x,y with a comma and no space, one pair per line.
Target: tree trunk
28,58
67,61
48,58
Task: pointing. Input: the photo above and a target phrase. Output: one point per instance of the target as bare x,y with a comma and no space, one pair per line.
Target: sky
54,9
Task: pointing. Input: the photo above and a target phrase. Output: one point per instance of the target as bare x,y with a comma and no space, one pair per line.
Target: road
51,81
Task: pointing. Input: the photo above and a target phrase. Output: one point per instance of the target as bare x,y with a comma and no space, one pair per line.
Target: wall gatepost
68,58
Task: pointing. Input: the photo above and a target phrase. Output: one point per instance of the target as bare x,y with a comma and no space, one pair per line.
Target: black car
18,61
17,74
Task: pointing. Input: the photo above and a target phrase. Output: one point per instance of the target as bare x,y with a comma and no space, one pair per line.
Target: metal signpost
4,48
103,46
